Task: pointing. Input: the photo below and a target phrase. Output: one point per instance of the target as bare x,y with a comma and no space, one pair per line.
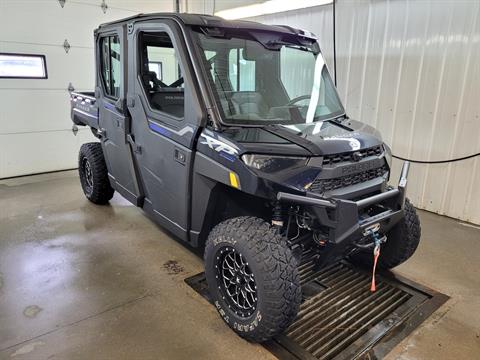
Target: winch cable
437,161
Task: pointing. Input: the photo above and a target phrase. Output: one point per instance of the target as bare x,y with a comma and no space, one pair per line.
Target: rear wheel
402,241
93,174
252,277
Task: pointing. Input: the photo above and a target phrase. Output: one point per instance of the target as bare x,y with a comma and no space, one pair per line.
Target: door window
161,74
157,68
111,65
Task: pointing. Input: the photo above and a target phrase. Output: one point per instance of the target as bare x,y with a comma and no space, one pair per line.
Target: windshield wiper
341,117
339,123
288,135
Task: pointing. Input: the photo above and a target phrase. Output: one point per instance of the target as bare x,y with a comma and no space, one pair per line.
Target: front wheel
252,277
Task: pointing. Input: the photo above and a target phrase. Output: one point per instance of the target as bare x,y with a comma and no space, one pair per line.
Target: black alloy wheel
236,281
87,171
252,277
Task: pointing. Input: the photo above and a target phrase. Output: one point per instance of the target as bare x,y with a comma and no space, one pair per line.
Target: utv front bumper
347,221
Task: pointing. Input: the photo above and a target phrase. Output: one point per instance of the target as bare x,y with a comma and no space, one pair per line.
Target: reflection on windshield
317,83
286,84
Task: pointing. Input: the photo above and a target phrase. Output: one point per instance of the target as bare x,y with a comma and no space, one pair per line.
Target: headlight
388,155
272,163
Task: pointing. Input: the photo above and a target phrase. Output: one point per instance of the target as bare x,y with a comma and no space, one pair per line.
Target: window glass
241,71
161,74
23,66
156,67
111,65
116,65
210,57
105,51
276,81
297,70
163,57
233,68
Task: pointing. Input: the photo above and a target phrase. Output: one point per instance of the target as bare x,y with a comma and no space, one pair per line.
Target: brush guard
342,217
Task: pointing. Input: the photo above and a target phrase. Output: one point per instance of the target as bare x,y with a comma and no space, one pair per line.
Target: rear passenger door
113,121
166,114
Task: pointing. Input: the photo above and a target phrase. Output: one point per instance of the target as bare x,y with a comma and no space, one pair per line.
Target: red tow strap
376,254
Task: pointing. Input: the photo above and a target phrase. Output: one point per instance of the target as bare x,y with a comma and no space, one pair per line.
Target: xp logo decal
217,145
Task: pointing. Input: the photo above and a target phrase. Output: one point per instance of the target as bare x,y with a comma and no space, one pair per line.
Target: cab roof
212,21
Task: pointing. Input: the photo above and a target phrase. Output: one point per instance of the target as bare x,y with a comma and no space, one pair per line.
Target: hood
317,139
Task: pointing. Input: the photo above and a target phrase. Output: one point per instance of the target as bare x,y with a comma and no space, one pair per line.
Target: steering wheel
297,99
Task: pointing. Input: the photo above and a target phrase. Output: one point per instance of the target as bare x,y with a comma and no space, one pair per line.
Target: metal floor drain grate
341,319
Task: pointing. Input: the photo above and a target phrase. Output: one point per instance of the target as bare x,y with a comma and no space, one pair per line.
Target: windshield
273,82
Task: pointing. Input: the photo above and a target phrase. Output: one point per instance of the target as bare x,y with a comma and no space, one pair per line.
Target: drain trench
340,318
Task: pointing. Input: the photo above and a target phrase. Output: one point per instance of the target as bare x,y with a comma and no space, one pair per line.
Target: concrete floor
79,281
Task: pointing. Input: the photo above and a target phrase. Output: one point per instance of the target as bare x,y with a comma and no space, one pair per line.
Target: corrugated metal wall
412,69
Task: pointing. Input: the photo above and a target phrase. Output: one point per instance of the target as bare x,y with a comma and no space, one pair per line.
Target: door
165,117
113,120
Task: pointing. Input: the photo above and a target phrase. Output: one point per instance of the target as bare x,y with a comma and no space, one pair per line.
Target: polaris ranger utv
231,135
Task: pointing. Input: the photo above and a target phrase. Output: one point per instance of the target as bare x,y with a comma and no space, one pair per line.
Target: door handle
179,156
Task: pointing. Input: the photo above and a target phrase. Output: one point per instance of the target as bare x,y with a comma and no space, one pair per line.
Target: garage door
35,126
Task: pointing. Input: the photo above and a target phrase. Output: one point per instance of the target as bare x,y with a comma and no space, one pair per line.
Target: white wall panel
412,69
35,123
25,111
32,147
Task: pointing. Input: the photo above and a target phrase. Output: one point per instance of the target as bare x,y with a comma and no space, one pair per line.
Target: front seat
151,81
249,102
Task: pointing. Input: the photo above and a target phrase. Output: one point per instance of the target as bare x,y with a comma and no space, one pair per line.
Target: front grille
348,156
321,186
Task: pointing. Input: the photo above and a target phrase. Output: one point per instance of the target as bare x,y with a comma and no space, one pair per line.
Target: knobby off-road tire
246,256
402,241
93,174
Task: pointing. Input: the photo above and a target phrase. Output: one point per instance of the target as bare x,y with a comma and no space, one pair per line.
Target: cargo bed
84,109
